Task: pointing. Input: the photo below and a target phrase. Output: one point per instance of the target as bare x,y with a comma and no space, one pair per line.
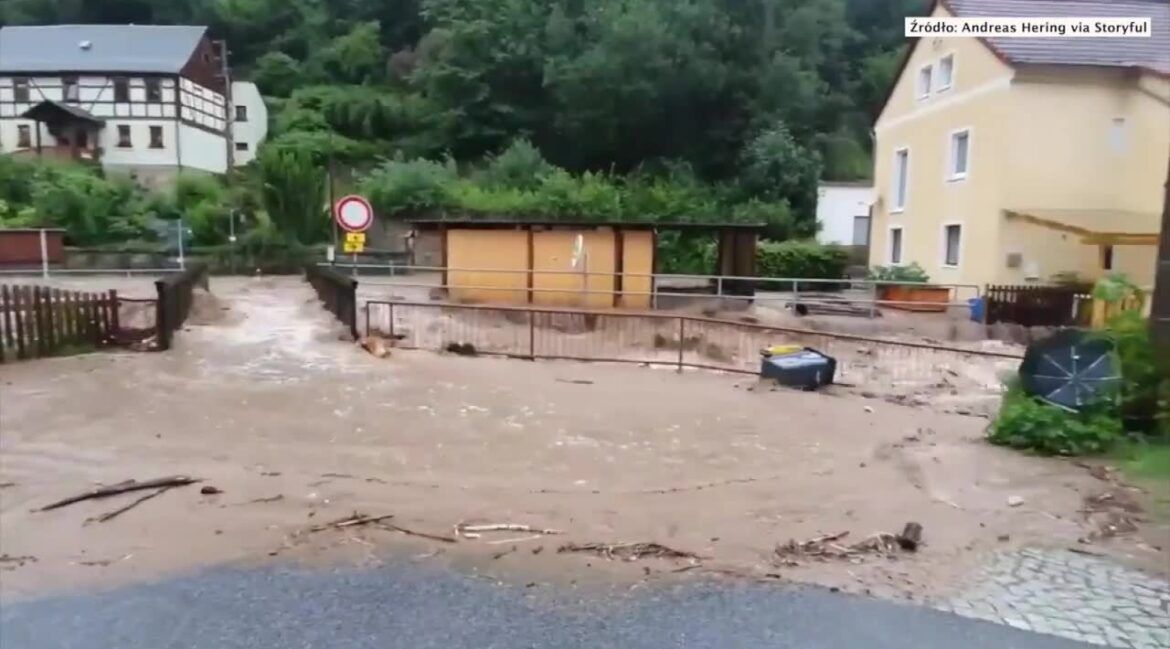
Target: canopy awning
54,112
1096,227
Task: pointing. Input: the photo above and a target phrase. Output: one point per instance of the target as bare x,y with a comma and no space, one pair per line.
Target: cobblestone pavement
1071,595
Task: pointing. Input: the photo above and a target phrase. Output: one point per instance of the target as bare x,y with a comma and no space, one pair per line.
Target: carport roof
626,225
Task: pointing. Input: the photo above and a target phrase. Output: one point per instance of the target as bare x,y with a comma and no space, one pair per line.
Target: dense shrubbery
1141,410
519,183
909,273
801,259
1027,423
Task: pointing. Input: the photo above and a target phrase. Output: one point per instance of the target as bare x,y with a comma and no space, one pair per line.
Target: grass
1145,460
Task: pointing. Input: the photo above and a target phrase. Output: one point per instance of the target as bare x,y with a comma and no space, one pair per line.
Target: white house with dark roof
146,99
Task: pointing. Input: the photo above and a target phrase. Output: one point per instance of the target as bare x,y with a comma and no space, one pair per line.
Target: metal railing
175,295
655,339
337,293
862,294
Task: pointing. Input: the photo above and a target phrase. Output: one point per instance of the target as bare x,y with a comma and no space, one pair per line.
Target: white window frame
919,91
901,245
950,82
895,208
943,257
950,174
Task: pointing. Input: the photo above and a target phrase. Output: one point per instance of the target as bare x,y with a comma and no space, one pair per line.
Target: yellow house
1012,160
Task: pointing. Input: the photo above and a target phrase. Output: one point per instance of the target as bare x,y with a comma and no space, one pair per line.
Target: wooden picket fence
37,321
1038,306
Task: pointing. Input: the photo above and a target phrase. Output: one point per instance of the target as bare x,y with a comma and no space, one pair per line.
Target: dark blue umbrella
1071,369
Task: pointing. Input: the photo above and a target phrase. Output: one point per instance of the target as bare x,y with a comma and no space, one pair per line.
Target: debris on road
17,562
628,551
827,547
210,490
376,346
121,488
576,381
270,499
424,535
475,531
463,349
1015,501
352,520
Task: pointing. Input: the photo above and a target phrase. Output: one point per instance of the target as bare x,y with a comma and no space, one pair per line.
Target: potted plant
916,294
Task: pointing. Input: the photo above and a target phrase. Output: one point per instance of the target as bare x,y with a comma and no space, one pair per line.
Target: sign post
354,215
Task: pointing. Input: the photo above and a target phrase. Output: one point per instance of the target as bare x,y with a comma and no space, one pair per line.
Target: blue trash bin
976,304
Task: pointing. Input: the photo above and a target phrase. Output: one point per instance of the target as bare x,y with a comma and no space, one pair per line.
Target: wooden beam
619,237
531,264
1160,305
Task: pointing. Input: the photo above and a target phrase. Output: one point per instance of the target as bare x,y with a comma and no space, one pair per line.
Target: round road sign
353,214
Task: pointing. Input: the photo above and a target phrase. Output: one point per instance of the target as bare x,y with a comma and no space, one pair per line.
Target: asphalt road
421,607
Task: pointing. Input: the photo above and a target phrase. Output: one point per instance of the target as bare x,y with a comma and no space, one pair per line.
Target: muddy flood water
265,400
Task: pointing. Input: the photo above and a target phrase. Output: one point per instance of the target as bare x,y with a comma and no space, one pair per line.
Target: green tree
776,167
293,193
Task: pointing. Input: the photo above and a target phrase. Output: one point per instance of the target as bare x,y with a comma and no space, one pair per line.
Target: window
1117,139
241,146
895,245
861,230
156,137
924,75
153,90
124,137
20,89
23,136
69,89
901,178
946,72
241,113
960,148
1106,257
121,89
952,241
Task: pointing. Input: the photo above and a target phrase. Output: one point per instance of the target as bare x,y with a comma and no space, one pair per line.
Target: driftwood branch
475,531
350,521
628,551
121,488
425,535
122,510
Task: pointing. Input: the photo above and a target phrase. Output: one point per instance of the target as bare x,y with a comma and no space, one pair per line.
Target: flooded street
265,398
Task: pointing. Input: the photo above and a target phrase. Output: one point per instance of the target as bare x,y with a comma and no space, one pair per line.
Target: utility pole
1160,307
229,109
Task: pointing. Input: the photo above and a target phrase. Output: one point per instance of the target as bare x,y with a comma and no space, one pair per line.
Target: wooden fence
1039,306
37,321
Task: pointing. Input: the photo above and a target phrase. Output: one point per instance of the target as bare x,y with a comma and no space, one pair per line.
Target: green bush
1026,423
801,259
686,253
909,273
418,185
520,166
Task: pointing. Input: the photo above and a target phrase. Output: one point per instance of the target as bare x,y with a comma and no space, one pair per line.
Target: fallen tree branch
426,535
349,521
628,551
121,488
122,510
475,531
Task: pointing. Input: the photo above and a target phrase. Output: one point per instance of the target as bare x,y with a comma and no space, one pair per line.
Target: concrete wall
201,150
837,206
252,131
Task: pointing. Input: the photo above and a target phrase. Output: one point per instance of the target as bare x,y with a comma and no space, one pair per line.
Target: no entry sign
353,214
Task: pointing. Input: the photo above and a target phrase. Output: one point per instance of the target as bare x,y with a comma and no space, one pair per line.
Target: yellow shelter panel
552,250
637,266
486,250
